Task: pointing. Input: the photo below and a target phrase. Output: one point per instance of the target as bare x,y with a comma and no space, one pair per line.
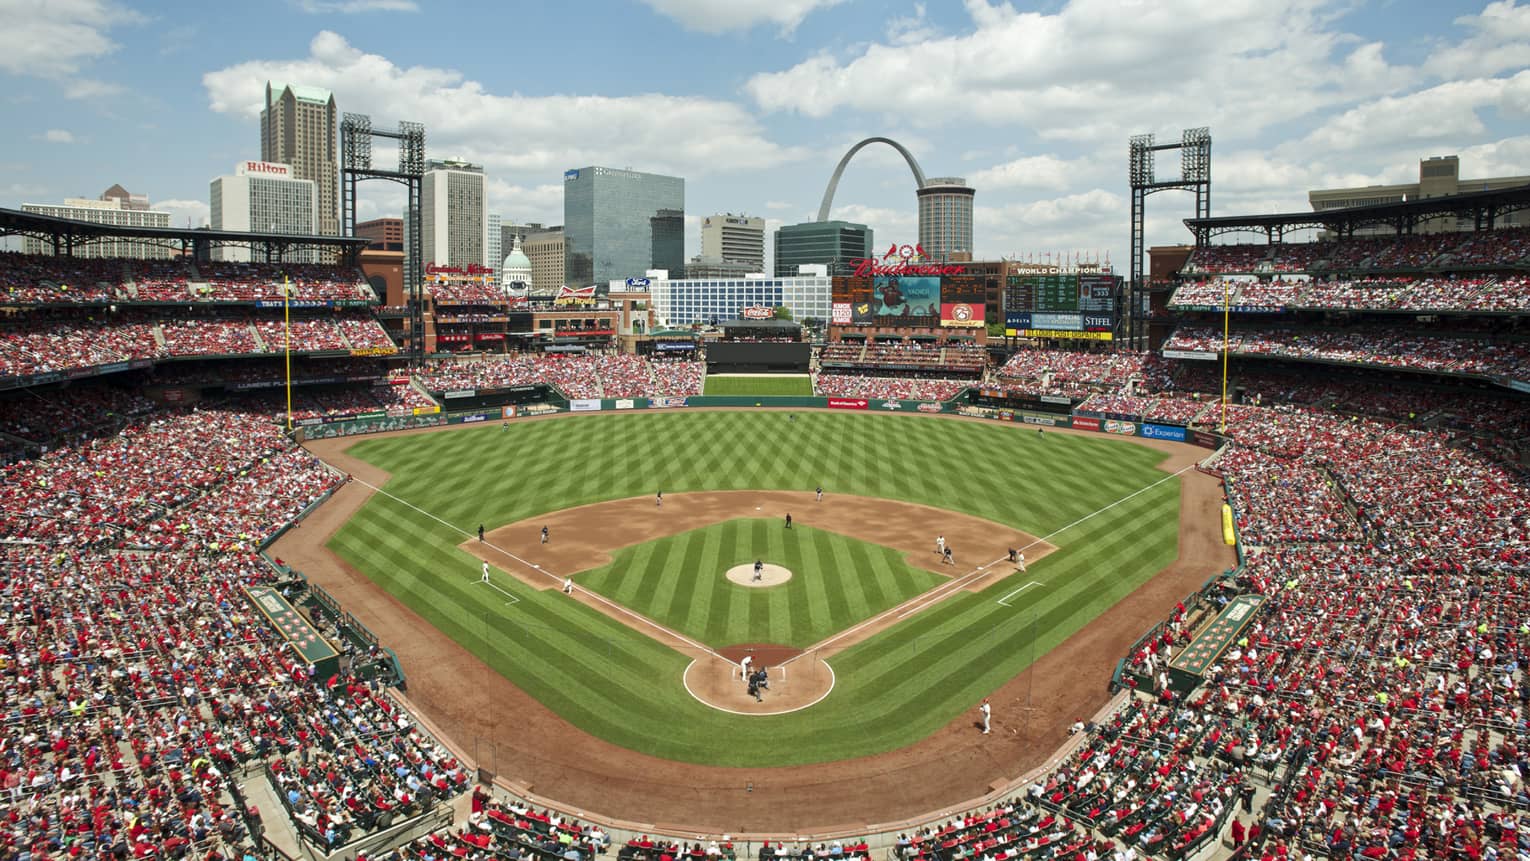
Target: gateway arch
828,193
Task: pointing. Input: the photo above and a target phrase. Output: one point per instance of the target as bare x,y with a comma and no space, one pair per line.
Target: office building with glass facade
829,243
683,301
618,224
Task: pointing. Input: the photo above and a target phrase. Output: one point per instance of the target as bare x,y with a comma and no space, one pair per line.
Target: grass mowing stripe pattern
892,689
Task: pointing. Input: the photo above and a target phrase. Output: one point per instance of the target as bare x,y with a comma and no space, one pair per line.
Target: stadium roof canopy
1483,208
64,235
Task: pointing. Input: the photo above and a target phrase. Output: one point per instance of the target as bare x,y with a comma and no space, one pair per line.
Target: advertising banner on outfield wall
659,403
507,412
841,314
1072,336
1152,431
1086,423
1189,354
625,403
584,405
1204,439
1120,427
848,403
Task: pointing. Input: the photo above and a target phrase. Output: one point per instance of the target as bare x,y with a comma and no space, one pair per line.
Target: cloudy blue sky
753,101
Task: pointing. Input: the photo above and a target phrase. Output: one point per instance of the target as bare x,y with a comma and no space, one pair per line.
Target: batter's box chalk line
1005,600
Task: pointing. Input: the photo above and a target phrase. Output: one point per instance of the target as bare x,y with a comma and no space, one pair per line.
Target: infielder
544,535
987,712
485,572
658,499
820,493
940,545
568,585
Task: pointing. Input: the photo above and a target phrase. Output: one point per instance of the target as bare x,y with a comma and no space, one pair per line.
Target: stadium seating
1453,294
1374,346
589,375
889,388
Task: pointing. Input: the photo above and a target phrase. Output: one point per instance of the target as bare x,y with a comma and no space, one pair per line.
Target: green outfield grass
790,385
837,581
892,689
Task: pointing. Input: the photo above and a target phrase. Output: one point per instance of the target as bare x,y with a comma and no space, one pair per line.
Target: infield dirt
503,729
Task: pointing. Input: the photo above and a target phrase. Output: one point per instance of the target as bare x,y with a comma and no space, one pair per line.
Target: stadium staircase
261,342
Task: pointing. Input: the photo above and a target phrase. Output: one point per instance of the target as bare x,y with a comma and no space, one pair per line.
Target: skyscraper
453,217
262,197
734,239
621,223
945,218
545,250
298,128
831,243
493,252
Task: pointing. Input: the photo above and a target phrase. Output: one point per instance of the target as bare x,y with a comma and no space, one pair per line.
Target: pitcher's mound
771,575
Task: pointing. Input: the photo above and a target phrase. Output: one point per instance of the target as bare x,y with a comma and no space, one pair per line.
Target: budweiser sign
903,260
470,269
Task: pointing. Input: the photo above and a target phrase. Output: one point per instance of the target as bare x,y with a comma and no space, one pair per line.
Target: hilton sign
264,168
903,260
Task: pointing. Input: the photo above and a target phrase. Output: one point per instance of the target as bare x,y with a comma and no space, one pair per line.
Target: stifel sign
903,260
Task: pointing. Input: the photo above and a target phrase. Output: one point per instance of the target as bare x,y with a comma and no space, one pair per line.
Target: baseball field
760,385
1109,512
622,700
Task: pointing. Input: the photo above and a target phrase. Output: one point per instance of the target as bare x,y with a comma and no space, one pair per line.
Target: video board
1067,305
909,300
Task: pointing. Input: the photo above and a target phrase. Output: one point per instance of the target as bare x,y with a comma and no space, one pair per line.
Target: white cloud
778,205
1441,114
910,29
59,136
1500,40
1100,69
183,213
1037,171
518,133
352,7
720,16
56,39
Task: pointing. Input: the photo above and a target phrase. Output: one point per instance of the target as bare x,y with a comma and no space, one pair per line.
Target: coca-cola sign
757,313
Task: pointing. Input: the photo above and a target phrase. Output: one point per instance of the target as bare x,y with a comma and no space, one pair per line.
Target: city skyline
1325,95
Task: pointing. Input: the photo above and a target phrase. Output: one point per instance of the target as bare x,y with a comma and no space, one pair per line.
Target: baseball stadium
1225,559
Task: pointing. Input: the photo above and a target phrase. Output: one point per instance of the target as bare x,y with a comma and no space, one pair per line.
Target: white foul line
595,596
1018,591
513,599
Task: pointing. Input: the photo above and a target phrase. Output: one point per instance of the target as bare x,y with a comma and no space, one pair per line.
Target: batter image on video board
907,296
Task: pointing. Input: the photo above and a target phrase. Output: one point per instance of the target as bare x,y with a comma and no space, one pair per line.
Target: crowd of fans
48,341
41,279
1508,293
834,385
1067,374
467,293
1383,253
577,375
139,679
1373,345
890,358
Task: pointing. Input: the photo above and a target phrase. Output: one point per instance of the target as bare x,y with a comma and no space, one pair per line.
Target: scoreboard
1061,305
